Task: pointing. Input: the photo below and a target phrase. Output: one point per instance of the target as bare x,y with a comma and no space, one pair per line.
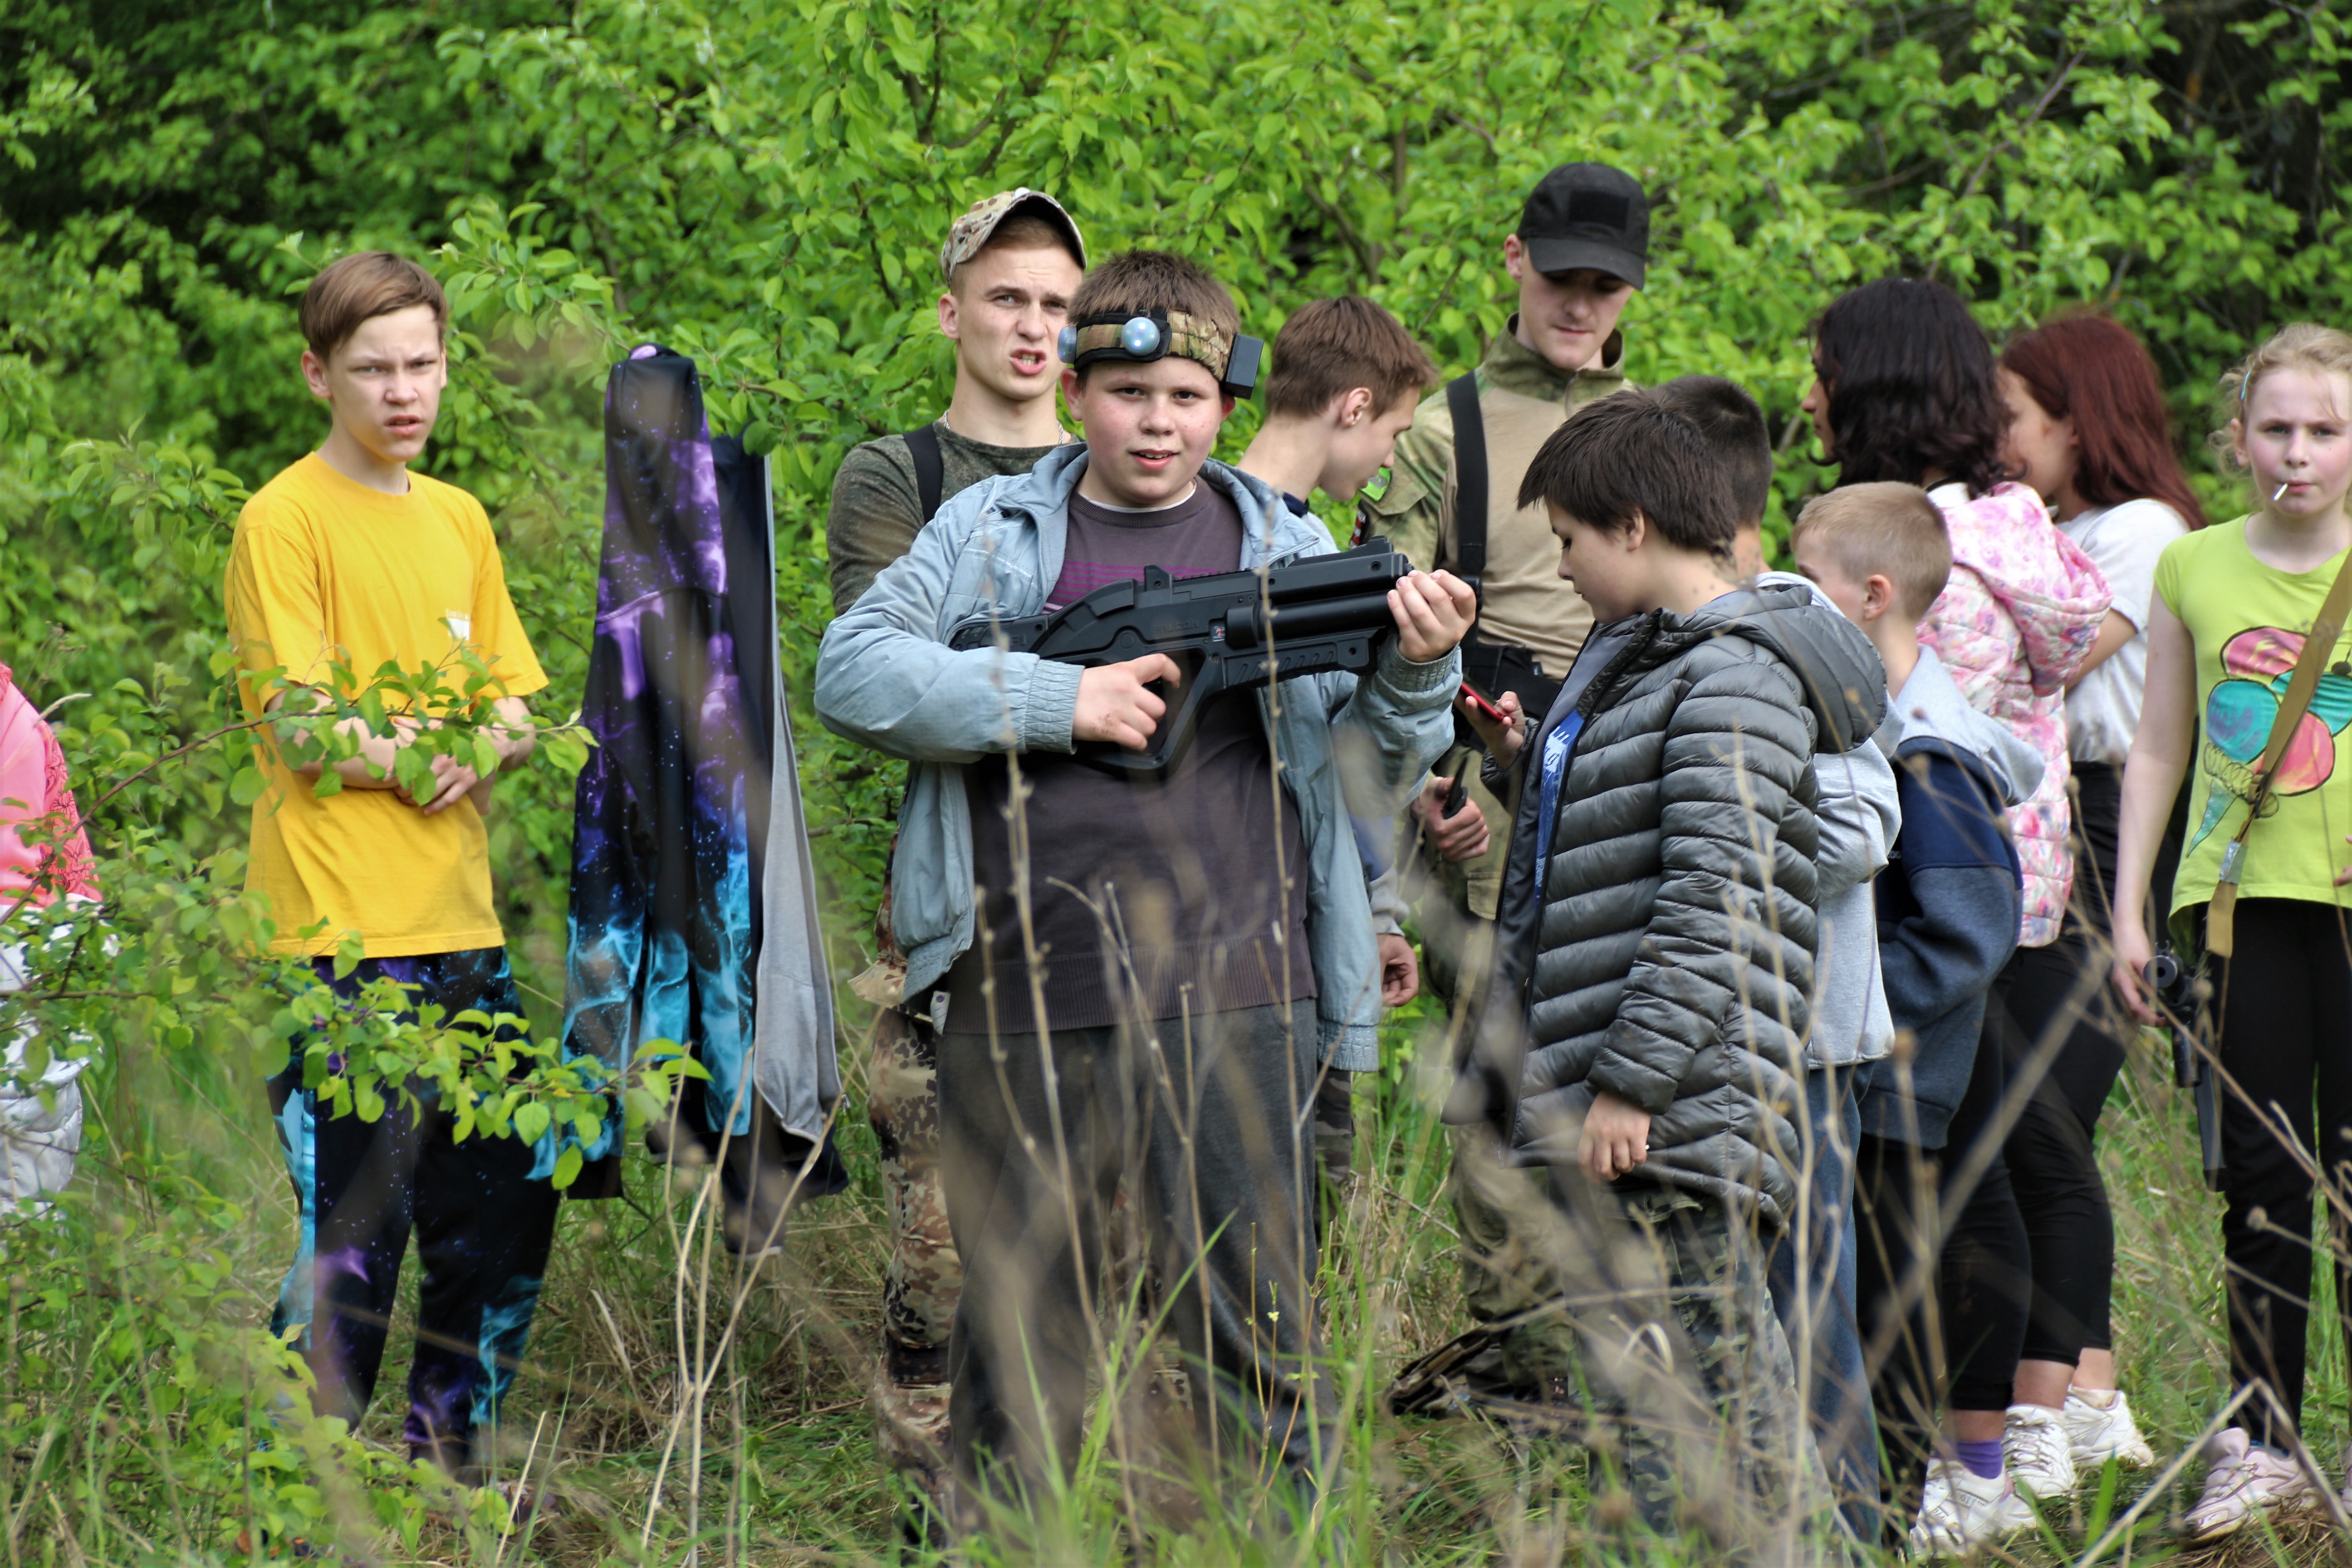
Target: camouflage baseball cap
973,230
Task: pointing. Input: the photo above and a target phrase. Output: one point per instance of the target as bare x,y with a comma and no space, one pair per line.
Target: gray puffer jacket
1672,955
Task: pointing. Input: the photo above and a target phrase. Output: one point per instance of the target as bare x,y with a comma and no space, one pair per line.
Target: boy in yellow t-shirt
348,559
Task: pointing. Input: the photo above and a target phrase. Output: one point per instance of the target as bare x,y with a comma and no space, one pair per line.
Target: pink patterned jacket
44,854
2012,626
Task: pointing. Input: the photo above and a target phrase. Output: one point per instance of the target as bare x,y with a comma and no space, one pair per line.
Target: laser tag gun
1230,632
2180,993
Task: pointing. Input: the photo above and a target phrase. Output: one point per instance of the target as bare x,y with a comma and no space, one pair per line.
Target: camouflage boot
910,1433
926,1273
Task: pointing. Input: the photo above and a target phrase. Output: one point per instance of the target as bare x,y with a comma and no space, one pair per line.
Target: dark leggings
1982,1276
1988,1271
2285,1004
2064,989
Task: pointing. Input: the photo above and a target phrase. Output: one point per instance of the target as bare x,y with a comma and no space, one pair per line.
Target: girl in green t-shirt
2234,606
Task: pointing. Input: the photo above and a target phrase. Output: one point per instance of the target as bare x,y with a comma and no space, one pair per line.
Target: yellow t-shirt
325,569
2248,622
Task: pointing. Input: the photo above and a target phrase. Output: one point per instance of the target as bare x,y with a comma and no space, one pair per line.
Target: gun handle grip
1175,732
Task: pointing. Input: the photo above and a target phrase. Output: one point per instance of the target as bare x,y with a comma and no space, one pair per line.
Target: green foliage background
764,182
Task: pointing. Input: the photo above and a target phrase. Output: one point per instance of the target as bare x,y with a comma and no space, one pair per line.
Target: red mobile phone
1484,704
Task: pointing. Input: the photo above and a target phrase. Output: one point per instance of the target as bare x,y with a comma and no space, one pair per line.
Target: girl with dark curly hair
1907,390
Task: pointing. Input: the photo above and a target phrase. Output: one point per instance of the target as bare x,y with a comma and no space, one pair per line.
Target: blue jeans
1813,1294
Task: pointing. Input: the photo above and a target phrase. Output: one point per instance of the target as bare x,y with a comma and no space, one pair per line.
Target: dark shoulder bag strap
931,471
1469,479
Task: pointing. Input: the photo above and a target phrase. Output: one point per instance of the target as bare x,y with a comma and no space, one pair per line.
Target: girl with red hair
2088,431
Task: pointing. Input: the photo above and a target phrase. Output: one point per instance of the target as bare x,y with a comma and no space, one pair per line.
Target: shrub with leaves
762,185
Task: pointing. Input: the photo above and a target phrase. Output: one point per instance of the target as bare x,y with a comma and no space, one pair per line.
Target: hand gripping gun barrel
1230,632
2179,994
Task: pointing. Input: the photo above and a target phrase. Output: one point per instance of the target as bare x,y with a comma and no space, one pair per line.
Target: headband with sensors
1157,333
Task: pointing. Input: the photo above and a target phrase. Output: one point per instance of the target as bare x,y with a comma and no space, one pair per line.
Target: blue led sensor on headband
1139,336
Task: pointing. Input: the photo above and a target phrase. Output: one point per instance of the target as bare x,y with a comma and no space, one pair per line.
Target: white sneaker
2244,1480
2034,1450
1958,1511
2096,1435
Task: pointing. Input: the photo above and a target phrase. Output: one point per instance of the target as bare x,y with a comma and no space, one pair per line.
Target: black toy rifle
1319,613
2179,996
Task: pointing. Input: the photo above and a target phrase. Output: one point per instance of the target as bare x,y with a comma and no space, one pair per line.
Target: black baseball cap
1588,214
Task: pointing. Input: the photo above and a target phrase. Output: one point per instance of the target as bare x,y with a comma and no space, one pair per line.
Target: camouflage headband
1144,337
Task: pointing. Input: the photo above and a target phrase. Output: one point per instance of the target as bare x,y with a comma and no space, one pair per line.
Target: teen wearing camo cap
979,226
1007,270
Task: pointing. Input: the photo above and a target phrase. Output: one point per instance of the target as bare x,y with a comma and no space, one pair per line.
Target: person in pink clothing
1906,389
2021,613
44,857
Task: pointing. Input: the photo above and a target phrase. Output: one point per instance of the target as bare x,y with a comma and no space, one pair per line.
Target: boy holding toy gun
1145,985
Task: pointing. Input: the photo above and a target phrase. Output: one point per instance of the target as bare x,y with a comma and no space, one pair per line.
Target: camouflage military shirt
1521,400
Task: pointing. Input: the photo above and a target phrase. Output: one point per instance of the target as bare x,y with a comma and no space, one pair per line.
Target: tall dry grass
680,1406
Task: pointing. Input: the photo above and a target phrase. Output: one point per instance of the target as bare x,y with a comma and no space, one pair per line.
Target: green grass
132,1381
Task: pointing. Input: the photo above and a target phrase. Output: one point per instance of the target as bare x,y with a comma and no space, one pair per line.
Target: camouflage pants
925,1275
1454,904
924,1279
1654,1306
1502,1215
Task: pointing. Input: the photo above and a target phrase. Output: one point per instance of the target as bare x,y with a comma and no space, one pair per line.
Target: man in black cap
1581,249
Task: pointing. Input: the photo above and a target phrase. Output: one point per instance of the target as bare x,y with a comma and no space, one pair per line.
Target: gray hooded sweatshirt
1859,816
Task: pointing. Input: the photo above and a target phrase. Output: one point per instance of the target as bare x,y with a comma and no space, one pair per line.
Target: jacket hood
1929,712
1845,685
2050,589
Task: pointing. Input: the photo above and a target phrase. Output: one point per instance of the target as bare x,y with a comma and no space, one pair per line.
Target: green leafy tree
762,184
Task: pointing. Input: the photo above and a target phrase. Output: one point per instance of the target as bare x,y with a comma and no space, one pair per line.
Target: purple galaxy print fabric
672,807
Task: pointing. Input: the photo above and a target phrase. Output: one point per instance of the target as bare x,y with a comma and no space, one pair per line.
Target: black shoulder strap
930,472
1469,479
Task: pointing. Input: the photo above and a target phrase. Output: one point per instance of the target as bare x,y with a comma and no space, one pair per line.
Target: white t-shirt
2122,541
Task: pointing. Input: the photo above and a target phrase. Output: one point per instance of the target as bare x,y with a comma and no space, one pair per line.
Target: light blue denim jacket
885,677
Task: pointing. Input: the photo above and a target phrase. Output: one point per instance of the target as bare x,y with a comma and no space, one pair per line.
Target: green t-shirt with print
2248,622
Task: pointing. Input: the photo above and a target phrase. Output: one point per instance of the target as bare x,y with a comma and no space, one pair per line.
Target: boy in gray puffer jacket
1637,1056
